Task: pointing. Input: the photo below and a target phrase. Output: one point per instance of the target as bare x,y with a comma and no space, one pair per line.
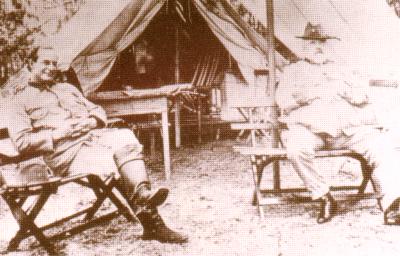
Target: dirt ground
210,200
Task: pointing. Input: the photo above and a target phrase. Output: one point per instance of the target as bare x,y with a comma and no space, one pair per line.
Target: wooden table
120,103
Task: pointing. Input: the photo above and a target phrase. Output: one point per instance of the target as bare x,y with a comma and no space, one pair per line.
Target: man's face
45,68
315,51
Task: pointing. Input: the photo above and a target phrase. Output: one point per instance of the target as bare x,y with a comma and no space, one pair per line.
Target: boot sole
159,197
181,240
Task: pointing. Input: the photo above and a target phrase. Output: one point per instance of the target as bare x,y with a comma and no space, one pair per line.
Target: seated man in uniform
324,106
56,120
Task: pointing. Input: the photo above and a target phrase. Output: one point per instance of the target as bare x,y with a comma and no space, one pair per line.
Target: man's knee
380,151
127,147
299,143
378,158
128,153
295,153
125,135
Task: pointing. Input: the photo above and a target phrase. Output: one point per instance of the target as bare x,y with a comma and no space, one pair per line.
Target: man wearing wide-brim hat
315,32
325,106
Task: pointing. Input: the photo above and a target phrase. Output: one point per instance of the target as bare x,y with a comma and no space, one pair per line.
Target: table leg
177,122
165,137
199,125
153,154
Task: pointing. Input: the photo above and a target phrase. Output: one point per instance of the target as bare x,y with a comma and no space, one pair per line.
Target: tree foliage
24,22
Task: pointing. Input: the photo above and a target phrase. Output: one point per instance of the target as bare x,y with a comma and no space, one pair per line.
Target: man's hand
303,98
355,96
61,132
74,128
84,125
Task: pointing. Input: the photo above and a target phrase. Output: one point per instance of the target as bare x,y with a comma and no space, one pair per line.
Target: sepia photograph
200,127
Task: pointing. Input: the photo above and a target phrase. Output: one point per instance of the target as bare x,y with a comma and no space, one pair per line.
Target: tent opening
171,50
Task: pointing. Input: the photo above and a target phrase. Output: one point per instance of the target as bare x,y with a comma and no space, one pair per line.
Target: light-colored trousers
376,146
107,150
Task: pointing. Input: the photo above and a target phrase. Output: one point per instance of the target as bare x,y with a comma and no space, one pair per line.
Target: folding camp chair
203,82
262,156
16,196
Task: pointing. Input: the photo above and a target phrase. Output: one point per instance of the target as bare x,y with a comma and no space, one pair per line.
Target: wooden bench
261,157
16,195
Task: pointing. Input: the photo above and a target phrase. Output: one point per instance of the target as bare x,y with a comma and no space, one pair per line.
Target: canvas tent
92,40
368,30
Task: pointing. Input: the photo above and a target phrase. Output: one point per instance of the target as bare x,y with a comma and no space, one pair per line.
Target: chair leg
377,190
257,192
34,209
101,197
107,193
21,200
27,225
260,171
366,173
121,207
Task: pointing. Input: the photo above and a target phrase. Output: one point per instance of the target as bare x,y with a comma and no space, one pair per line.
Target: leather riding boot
154,227
328,208
145,196
135,185
391,216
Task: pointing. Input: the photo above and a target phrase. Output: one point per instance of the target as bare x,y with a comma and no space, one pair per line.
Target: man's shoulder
66,87
27,91
25,98
300,71
16,83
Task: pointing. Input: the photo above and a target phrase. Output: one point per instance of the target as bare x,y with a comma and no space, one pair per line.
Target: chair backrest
206,71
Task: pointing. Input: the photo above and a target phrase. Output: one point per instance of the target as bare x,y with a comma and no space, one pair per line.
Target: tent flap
95,56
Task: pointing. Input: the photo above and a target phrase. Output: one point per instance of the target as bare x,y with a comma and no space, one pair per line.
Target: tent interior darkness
193,41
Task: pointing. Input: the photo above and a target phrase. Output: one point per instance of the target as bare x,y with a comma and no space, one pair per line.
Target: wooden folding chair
262,156
16,196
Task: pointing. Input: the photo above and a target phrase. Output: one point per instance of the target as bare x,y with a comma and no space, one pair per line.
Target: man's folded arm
22,134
